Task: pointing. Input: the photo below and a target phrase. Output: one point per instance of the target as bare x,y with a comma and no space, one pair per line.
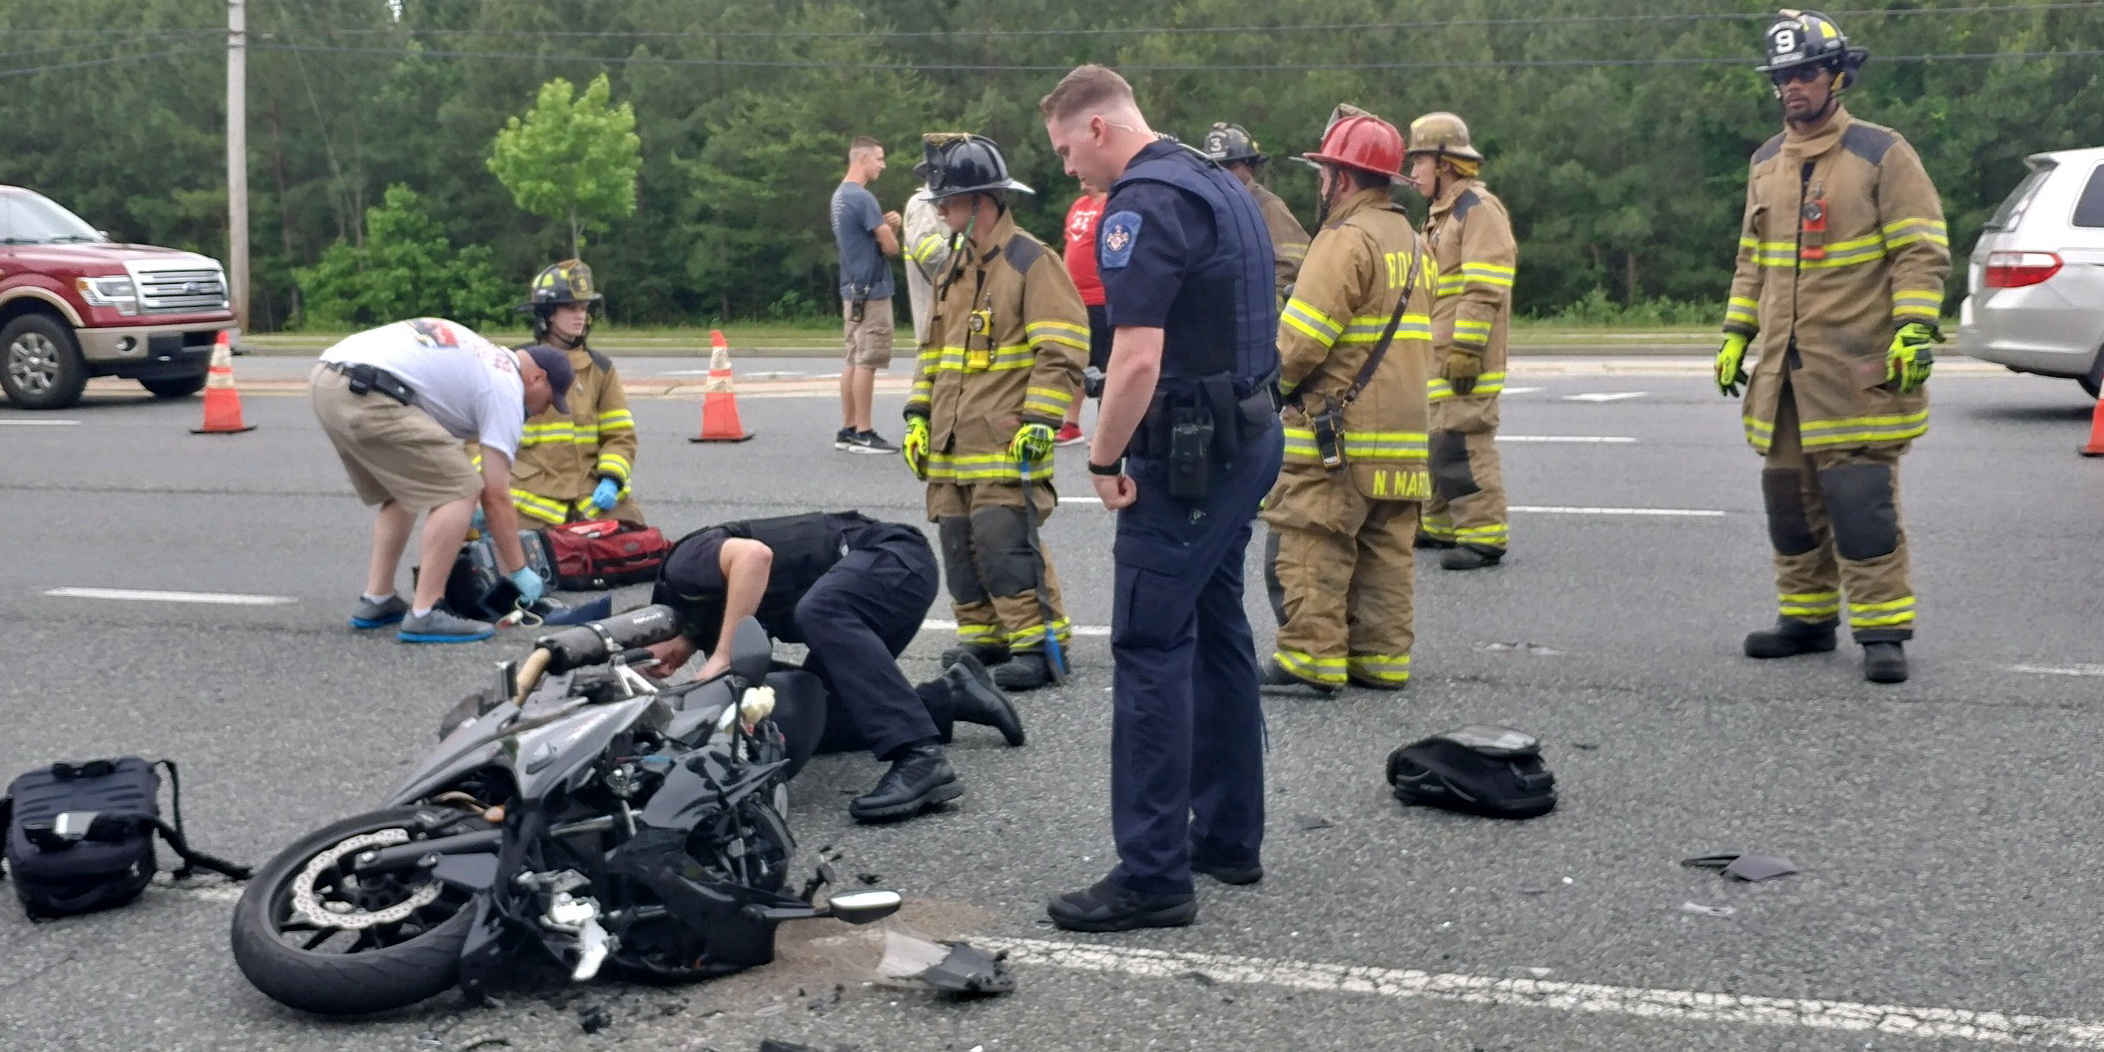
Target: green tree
572,157
407,268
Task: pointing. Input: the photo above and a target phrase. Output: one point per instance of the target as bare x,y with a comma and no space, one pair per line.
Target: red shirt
1081,248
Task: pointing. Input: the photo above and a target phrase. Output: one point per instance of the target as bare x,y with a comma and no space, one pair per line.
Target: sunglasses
1801,74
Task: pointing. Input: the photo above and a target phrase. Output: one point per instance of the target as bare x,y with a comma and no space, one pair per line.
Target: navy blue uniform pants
1187,737
858,618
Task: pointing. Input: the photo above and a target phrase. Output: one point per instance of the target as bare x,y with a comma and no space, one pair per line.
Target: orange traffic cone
2096,432
222,401
719,406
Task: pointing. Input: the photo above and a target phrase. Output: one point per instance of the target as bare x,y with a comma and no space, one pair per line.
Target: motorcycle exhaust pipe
598,642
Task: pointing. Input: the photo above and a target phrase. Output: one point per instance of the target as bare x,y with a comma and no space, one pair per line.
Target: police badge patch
1120,232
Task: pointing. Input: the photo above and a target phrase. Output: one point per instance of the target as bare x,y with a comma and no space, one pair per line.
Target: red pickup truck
74,305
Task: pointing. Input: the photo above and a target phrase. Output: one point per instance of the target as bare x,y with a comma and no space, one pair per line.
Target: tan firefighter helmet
1443,134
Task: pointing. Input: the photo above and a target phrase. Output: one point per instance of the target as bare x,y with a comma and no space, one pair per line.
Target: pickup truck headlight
115,290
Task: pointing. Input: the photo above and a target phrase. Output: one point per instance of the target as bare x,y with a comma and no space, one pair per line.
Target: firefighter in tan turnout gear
1344,509
1842,259
1234,149
1470,237
575,465
1001,363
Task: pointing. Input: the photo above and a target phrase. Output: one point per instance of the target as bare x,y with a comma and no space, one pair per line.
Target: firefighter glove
1731,364
1910,358
607,493
531,586
1462,368
479,523
914,447
1032,443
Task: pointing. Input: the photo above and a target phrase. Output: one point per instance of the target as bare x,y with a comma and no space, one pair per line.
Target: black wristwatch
1115,467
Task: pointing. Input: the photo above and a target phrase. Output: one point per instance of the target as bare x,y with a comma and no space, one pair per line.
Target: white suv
2036,282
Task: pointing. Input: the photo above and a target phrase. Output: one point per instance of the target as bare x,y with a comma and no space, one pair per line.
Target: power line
53,49
215,49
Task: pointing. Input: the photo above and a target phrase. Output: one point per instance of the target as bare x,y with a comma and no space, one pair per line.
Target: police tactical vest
804,546
1225,318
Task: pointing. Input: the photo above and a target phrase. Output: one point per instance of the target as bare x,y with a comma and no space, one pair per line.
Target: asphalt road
1939,823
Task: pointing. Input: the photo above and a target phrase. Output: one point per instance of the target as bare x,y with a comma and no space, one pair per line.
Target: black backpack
1495,772
80,835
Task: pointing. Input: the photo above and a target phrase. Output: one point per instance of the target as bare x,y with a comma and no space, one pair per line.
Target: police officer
1842,259
1232,146
1186,444
1471,240
576,465
999,368
854,591
1352,345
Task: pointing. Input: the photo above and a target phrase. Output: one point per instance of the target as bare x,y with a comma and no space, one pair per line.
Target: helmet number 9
1785,41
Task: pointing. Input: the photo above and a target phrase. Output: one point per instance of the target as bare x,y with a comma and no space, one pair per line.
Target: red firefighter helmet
1369,144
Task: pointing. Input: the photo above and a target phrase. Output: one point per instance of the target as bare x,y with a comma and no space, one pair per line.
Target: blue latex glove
606,494
480,523
531,587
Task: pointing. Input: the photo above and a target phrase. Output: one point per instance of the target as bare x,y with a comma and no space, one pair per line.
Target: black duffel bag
1496,772
80,836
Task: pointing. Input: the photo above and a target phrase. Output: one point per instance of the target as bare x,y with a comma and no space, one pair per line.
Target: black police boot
1024,670
1105,906
1226,872
988,654
1465,557
1790,638
1427,542
975,699
920,778
1277,679
1884,663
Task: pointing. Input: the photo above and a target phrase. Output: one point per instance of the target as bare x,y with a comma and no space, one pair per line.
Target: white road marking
2060,670
1609,440
1079,630
1524,390
1590,998
1605,396
39,423
136,596
1692,513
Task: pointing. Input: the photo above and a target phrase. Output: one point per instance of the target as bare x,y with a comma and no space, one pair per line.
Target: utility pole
237,158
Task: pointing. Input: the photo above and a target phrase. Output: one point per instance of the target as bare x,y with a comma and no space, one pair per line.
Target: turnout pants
1187,729
1833,518
1468,484
857,619
1347,578
992,568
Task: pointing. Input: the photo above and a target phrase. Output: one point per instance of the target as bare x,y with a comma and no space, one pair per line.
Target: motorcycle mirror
752,653
864,907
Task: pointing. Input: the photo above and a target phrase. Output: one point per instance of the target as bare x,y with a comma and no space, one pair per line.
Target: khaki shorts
868,340
392,452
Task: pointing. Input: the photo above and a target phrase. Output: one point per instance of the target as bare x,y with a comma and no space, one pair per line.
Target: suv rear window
2089,211
2012,209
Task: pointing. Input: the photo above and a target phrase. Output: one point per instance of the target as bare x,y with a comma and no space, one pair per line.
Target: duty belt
365,378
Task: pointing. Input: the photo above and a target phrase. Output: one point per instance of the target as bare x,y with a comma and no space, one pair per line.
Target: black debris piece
1312,822
1201,978
870,879
771,1045
594,1018
1750,868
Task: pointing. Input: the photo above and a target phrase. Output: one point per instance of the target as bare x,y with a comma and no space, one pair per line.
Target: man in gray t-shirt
398,403
865,235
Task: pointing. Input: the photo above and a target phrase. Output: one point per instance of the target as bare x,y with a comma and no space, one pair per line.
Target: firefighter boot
975,699
1790,638
1024,670
1469,557
986,654
1884,663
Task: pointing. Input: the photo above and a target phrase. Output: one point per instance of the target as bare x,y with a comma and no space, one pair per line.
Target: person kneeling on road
854,591
397,402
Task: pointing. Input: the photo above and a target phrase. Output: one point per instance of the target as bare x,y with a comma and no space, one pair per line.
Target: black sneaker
1236,873
1108,907
869,442
919,779
845,439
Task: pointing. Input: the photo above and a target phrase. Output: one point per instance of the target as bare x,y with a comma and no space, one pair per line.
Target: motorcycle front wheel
319,938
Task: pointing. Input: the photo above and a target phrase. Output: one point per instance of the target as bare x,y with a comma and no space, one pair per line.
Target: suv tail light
2014,270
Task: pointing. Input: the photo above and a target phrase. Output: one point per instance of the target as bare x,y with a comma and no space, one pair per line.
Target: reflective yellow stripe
1033,637
617,419
1368,329
540,508
1915,228
1810,606
979,633
1385,668
1850,430
1386,445
1486,384
924,249
1471,333
616,465
1488,536
1437,527
1059,332
1301,446
1046,401
1742,310
1917,305
585,435
1891,614
1492,274
1325,670
952,359
1313,323
979,467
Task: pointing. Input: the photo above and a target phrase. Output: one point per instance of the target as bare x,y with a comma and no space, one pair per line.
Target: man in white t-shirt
398,402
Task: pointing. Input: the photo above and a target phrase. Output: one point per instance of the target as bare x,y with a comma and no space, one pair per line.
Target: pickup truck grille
178,291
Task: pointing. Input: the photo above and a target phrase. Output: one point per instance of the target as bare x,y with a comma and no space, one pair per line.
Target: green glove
1731,364
914,447
1910,359
1032,443
1462,368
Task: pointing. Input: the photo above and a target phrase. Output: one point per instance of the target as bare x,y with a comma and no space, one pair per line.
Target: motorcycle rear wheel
399,942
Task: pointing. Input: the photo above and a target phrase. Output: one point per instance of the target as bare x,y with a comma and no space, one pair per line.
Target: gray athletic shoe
442,626
368,614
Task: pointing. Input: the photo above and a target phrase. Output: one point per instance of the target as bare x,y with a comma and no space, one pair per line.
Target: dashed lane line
1535,509
1673,1006
39,423
2059,670
1605,396
1079,630
140,596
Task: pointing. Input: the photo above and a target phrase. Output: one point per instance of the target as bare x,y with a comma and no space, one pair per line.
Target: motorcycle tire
354,981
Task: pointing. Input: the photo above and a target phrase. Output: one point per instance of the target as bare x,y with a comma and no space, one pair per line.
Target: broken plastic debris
1312,822
914,960
1534,649
1701,910
593,1019
1749,868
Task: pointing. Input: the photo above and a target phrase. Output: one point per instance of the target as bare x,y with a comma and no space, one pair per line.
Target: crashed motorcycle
578,816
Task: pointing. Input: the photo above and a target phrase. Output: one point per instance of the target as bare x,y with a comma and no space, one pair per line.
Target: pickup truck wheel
178,387
40,365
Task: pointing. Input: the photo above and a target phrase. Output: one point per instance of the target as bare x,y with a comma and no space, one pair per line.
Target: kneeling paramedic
576,464
1353,342
398,402
1000,366
854,591
1186,444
